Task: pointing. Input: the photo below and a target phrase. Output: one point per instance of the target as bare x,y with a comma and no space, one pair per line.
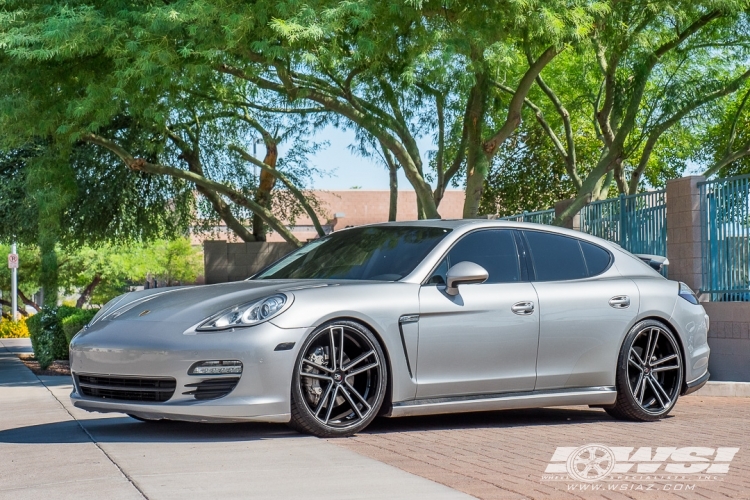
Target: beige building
353,207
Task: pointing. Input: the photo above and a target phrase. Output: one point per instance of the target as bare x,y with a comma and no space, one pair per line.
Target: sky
346,169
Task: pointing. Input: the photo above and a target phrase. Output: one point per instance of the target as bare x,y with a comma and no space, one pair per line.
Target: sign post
13,265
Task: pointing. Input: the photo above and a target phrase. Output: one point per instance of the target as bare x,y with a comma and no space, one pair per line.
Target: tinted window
493,250
597,258
386,253
555,257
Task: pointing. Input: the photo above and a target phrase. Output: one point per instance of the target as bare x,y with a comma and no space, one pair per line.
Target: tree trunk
477,167
392,184
476,160
88,291
21,311
28,302
265,186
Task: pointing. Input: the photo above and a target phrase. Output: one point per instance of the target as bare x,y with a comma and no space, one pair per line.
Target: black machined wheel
339,380
649,373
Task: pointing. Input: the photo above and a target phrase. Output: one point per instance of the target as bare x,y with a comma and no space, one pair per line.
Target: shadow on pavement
128,430
493,419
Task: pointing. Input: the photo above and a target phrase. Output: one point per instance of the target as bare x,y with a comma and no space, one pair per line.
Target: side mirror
464,273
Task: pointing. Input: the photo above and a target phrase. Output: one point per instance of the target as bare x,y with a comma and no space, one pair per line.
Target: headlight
248,314
687,294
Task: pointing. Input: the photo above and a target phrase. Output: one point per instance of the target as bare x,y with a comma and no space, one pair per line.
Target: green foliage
18,212
726,150
48,339
34,324
13,329
104,272
528,157
176,84
190,73
75,322
107,271
94,198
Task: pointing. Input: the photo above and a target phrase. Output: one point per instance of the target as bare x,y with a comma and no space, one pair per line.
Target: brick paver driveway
505,454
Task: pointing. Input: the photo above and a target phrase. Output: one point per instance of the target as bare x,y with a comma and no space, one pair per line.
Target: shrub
73,323
13,329
47,336
34,324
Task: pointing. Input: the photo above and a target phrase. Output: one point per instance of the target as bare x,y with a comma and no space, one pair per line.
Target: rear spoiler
655,261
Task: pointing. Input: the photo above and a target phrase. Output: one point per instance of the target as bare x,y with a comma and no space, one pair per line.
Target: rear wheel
339,380
649,373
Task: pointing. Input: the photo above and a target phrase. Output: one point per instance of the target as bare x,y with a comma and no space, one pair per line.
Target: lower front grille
126,388
213,388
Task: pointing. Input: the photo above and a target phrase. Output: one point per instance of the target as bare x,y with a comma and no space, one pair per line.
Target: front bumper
124,348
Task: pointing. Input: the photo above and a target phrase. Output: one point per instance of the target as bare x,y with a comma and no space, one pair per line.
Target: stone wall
684,231
729,340
225,262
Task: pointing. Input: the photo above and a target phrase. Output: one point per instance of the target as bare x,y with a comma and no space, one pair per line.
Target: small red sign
13,261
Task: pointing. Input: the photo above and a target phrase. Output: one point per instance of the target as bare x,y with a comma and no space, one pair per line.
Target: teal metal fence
638,222
725,217
540,217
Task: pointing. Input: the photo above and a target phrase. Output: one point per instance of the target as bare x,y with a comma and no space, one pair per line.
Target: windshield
380,253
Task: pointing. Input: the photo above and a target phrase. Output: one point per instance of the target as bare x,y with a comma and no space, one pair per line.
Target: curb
724,389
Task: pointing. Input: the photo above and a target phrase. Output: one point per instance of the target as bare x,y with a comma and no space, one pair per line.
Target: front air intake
213,388
127,388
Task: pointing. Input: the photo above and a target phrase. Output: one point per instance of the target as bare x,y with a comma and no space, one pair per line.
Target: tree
392,69
395,70
100,274
73,196
158,112
727,150
642,84
528,156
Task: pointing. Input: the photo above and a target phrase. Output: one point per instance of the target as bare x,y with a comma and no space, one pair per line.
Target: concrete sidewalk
51,449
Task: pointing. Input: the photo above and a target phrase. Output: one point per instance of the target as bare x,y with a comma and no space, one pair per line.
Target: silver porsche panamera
403,319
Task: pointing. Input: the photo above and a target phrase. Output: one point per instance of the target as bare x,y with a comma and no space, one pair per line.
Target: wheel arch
388,398
680,344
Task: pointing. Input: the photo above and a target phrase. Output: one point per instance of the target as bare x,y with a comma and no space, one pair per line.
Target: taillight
688,294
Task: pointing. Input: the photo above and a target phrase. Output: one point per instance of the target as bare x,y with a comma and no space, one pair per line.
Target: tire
337,396
647,385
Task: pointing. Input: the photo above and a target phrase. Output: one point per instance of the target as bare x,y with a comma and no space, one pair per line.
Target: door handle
523,308
620,301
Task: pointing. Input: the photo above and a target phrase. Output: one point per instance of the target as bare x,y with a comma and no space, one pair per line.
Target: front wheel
649,373
339,380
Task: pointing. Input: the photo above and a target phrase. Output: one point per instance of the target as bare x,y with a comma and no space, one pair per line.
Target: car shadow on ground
127,430
491,419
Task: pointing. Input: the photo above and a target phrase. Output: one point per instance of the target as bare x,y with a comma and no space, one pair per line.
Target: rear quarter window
597,258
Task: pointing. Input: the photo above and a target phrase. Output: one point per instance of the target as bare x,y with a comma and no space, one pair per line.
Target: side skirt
506,401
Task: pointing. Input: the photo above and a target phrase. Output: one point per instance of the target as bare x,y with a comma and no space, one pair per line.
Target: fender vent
213,388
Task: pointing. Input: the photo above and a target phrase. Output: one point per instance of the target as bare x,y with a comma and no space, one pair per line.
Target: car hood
188,306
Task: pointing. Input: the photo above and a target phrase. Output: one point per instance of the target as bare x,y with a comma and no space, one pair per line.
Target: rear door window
555,257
